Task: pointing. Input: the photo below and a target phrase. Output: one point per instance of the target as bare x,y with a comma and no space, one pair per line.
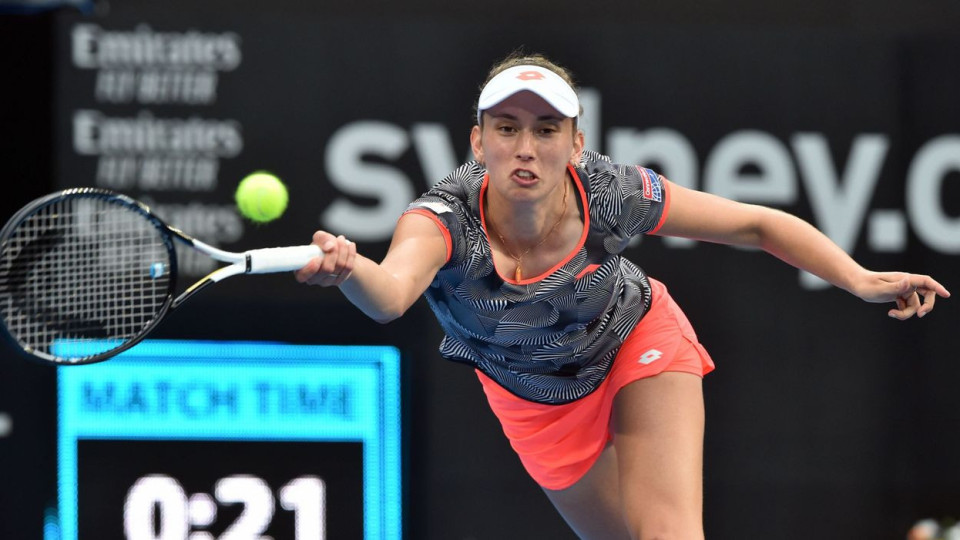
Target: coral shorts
559,443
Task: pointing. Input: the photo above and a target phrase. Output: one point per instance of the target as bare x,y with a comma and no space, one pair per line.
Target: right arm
386,290
703,216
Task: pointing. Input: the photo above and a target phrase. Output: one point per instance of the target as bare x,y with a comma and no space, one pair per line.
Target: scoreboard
177,440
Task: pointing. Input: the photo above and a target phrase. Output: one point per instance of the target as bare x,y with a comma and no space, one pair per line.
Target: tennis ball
261,197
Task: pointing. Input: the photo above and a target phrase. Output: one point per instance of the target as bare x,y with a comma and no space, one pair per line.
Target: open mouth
524,176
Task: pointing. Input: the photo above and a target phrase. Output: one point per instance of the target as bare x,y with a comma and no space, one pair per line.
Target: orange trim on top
443,228
565,260
483,210
666,205
589,268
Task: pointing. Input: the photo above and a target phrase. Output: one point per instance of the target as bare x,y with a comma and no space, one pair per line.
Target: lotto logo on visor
542,82
530,76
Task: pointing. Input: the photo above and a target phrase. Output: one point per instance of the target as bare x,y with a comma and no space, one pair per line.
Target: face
526,146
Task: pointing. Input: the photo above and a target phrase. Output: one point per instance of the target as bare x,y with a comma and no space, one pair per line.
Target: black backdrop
825,418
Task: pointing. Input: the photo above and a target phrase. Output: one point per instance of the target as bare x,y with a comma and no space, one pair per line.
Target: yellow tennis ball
261,197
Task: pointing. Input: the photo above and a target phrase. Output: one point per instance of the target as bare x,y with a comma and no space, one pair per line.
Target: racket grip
280,259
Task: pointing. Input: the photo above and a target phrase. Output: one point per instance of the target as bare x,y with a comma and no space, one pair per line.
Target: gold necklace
518,274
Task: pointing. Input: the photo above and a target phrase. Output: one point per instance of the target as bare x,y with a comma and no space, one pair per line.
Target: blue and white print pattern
550,341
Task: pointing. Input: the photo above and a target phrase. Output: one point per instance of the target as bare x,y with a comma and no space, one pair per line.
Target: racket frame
257,261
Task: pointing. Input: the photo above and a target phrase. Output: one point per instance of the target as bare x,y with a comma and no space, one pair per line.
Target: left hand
907,290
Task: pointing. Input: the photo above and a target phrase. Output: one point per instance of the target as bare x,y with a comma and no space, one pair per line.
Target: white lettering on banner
153,87
97,134
726,170
153,68
930,167
748,165
156,154
150,154
350,171
96,48
839,205
435,151
158,173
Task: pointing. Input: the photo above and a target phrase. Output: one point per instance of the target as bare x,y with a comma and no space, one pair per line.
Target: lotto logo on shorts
650,356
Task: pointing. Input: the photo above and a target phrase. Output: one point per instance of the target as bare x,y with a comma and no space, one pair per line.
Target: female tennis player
592,369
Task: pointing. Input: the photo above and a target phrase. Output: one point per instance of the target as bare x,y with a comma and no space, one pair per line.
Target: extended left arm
702,216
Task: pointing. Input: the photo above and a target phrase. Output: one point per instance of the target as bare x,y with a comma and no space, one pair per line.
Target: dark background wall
826,419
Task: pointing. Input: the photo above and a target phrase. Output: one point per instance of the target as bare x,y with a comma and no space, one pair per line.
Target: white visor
541,81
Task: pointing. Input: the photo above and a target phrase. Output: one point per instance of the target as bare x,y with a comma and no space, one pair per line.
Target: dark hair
520,58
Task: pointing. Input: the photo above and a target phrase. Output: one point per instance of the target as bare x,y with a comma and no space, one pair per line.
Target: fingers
345,252
304,274
911,289
929,298
927,283
907,306
336,265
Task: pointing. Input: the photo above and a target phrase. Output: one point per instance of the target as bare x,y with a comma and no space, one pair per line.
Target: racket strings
82,269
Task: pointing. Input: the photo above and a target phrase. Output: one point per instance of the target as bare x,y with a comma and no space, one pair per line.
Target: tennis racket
87,273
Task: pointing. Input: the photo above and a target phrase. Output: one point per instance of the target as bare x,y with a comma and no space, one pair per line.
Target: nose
525,145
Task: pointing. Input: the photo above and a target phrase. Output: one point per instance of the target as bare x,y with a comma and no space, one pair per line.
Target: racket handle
280,259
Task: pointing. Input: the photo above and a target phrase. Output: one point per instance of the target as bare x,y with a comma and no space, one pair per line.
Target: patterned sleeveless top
551,339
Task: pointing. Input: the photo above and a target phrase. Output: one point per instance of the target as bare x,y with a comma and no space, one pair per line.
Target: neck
523,224
540,227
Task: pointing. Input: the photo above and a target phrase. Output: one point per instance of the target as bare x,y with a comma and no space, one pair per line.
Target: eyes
548,129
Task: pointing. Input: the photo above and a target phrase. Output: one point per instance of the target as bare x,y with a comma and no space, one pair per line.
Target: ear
578,144
476,143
